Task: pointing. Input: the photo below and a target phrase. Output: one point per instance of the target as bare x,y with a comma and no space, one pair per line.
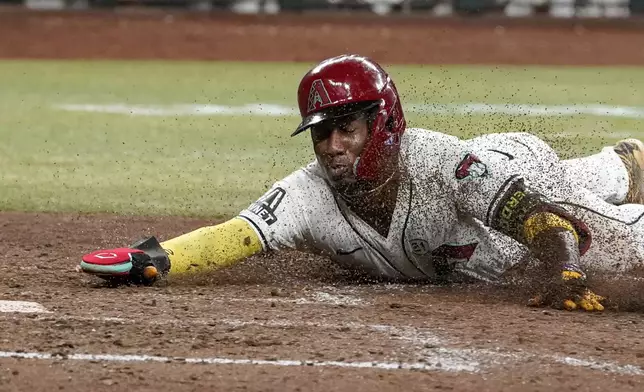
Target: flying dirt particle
247,241
15,285
276,292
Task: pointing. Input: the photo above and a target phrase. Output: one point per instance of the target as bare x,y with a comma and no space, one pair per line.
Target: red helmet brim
334,113
311,120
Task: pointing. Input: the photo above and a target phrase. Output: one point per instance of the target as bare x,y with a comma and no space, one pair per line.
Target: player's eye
347,127
320,132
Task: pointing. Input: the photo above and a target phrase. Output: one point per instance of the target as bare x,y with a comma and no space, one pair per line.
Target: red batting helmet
347,84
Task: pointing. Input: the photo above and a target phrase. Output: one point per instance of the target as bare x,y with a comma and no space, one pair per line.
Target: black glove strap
156,256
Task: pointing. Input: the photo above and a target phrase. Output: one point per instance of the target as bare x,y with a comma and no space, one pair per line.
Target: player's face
337,144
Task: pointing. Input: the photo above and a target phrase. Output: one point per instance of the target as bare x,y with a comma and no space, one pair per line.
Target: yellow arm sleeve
212,247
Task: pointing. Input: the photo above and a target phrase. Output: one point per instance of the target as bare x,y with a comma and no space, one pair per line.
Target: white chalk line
224,361
447,359
317,298
530,110
605,366
258,109
21,307
266,109
609,367
425,343
451,359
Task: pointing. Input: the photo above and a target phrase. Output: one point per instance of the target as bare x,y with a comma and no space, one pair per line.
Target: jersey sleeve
478,180
277,218
494,188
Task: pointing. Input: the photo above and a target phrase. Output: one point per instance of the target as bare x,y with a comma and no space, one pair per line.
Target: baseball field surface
117,126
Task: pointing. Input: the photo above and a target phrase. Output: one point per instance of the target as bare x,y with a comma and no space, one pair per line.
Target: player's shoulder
305,184
419,140
309,175
426,151
293,200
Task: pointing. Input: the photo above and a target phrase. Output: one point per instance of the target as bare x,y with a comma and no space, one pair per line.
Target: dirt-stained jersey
451,193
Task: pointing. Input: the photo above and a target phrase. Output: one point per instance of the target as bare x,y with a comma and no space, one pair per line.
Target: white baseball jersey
449,195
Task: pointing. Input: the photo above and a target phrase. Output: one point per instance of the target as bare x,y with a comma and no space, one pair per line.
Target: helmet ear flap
389,125
383,142
379,118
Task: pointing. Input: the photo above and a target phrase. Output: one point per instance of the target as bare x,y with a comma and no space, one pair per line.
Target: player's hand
142,263
569,291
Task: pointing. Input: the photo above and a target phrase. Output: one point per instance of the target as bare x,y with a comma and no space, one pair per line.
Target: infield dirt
290,306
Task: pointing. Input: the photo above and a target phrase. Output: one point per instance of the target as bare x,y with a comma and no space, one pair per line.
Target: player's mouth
338,171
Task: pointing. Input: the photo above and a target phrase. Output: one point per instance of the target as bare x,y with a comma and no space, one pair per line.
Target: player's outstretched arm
556,238
207,248
555,241
212,247
274,221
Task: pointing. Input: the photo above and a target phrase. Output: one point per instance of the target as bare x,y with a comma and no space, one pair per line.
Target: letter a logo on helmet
318,96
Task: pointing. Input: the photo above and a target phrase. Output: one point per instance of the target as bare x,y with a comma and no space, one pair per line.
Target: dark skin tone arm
555,247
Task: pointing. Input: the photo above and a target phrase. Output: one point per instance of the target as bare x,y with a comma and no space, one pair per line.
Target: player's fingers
590,304
586,305
569,304
593,300
595,297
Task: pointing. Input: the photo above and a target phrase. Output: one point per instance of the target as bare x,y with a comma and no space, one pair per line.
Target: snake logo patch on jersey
266,205
470,167
318,96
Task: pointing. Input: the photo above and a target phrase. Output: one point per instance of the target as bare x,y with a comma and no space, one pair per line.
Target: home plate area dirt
288,322
281,322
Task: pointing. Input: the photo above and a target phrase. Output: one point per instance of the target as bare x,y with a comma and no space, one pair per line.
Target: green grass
52,160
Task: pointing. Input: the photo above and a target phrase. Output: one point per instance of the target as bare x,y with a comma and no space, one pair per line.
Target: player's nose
335,143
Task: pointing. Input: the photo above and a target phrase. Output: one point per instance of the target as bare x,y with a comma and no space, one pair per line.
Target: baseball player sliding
409,204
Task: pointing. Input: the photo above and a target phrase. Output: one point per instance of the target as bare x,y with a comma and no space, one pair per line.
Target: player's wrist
556,248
